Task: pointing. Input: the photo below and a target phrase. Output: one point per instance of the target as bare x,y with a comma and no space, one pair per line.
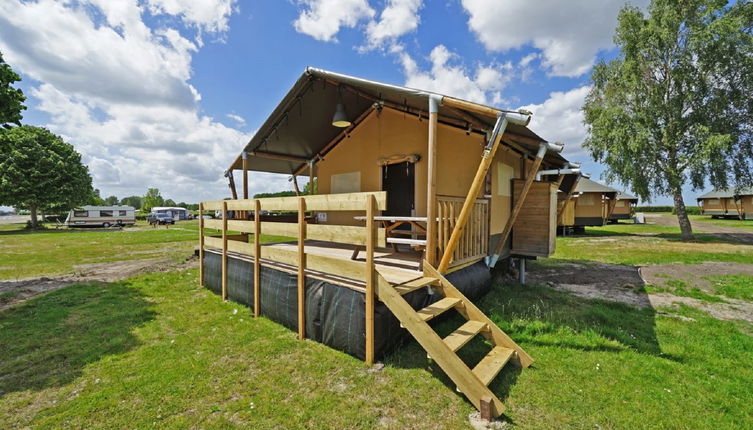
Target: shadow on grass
730,238
48,340
540,315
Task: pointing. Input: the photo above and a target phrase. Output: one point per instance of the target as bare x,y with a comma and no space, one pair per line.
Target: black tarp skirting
335,315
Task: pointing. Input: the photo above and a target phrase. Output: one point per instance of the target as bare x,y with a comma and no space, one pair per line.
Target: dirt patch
693,274
622,283
14,292
615,282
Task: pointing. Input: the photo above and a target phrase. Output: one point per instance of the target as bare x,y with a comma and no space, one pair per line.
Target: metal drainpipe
556,172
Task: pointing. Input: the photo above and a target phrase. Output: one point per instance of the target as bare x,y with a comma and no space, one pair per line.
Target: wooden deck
398,268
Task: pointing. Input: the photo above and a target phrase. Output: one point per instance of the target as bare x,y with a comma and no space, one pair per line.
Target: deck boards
398,268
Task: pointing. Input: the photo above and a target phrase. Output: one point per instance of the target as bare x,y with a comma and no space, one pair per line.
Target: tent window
620,203
345,183
81,214
505,173
714,202
587,200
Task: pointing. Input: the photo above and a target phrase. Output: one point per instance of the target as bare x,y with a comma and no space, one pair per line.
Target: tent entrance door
399,180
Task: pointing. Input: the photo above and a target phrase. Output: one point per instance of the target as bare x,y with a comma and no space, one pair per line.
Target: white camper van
101,216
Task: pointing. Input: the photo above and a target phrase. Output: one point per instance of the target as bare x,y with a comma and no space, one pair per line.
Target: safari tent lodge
624,207
591,205
727,203
416,196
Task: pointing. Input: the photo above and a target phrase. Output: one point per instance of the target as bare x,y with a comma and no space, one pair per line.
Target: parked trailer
101,216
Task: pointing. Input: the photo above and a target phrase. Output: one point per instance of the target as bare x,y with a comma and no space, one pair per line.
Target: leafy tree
39,171
95,198
11,99
134,201
151,199
170,202
675,106
277,194
111,201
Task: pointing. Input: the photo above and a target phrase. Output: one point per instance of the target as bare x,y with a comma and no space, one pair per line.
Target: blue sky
165,93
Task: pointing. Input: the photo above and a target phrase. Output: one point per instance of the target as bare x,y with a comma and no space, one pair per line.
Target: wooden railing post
257,258
301,268
201,244
371,239
431,191
224,250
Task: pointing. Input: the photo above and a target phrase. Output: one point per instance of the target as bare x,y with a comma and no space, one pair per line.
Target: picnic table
391,223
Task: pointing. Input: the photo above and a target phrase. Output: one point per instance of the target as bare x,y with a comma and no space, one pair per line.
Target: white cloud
560,119
569,35
398,18
322,19
208,15
448,76
118,91
237,118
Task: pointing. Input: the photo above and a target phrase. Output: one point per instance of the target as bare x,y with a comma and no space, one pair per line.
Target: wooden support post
301,268
257,258
470,199
521,199
231,184
486,408
201,244
244,157
295,185
245,175
371,231
224,250
431,191
567,200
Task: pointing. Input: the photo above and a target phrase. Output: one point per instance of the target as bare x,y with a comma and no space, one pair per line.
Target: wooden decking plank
463,334
490,365
414,284
437,308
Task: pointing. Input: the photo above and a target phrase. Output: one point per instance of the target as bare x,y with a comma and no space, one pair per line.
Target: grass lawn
742,224
157,350
52,252
649,244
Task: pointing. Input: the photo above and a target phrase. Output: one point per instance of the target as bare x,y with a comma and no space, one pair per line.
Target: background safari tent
591,204
727,203
416,196
624,207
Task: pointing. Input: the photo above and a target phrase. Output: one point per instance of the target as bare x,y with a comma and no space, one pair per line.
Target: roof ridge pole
431,190
486,159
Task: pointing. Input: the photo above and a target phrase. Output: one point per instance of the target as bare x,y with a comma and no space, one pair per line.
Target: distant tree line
152,198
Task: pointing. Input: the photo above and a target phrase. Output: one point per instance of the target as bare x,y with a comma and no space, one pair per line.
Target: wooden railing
369,236
474,243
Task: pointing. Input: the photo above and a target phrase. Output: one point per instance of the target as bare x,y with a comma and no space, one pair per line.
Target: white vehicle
101,216
177,213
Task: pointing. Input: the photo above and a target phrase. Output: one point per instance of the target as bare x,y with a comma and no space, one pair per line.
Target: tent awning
301,125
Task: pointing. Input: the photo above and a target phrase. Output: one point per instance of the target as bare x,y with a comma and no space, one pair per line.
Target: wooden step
414,285
437,308
490,365
464,334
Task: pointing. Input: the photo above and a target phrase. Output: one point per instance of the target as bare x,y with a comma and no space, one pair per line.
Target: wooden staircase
473,383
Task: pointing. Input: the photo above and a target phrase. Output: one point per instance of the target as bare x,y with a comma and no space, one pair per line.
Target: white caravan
101,216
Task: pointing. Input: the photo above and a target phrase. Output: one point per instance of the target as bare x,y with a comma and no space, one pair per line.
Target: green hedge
692,210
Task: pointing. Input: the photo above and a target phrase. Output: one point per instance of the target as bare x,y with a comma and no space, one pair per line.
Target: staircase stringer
467,383
471,312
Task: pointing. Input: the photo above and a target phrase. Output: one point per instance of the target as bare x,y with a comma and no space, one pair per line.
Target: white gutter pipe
556,172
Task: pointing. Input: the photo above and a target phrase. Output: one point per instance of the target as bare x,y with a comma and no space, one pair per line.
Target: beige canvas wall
390,134
589,205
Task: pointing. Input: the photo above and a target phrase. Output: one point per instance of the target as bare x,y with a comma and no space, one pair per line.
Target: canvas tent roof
586,185
625,196
301,125
726,193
